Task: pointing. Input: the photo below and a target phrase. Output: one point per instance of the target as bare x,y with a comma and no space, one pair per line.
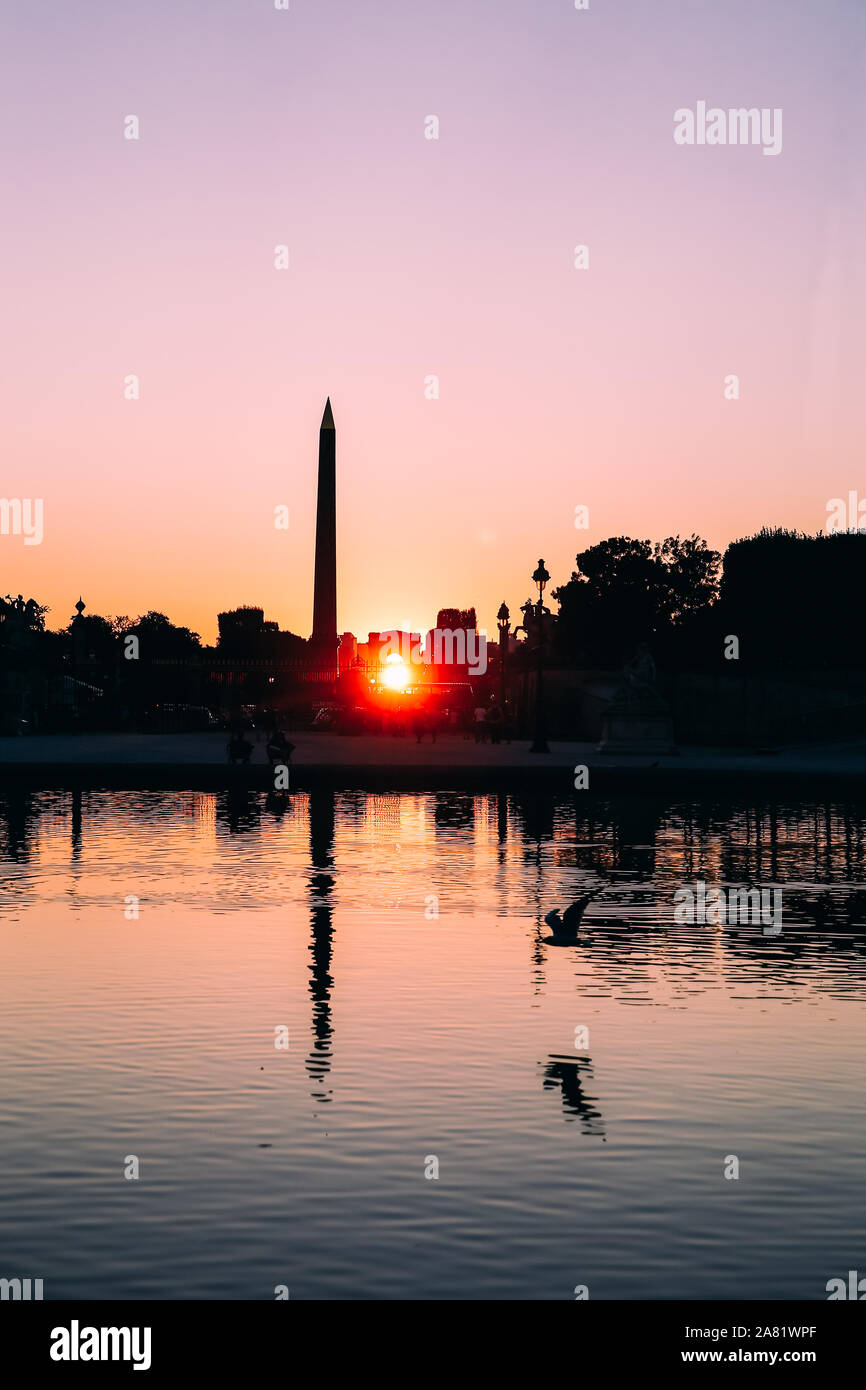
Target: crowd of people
483,722
279,749
490,722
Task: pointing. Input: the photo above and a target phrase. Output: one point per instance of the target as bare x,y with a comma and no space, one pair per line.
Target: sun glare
396,673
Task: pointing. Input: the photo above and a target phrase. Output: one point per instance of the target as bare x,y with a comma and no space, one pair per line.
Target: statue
21,619
530,625
639,686
637,720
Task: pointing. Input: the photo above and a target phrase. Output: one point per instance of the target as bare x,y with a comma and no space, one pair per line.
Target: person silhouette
239,749
279,748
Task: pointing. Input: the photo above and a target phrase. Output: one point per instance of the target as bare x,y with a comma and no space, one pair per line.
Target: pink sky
412,257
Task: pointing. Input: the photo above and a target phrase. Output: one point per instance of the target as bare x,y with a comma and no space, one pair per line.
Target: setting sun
396,673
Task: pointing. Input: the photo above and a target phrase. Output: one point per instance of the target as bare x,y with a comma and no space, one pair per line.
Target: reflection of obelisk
324,639
322,982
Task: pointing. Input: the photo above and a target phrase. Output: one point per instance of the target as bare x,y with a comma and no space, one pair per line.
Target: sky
411,258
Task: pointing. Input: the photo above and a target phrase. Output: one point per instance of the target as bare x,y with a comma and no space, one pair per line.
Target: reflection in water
18,814
240,809
705,1040
567,1074
277,804
321,881
502,817
452,811
514,856
534,813
76,824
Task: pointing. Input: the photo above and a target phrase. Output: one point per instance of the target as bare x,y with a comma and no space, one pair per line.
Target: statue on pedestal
637,720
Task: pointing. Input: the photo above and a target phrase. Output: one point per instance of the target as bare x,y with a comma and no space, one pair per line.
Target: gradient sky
411,257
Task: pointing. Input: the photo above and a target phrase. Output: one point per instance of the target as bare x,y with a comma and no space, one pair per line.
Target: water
414,1037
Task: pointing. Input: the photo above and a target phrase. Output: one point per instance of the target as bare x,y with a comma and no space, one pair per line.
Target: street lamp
503,622
539,743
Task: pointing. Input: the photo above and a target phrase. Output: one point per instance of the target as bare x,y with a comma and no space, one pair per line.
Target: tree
625,591
790,597
691,574
95,637
160,639
453,619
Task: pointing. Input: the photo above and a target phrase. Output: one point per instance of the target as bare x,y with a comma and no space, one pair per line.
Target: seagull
565,928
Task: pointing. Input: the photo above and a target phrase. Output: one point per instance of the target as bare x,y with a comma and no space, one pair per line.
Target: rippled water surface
155,946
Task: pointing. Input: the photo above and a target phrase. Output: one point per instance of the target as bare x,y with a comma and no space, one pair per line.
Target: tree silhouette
95,636
789,597
160,639
626,591
455,619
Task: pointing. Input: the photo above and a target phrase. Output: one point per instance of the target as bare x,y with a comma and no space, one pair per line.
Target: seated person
239,749
279,749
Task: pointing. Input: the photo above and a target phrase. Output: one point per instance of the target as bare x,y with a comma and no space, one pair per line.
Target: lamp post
79,655
539,743
503,623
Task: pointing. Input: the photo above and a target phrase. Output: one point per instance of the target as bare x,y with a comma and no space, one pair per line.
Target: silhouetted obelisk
324,639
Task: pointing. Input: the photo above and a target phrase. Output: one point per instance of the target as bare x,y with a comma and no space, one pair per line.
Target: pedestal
627,729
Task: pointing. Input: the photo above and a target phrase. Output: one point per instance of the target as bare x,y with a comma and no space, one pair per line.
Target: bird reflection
321,884
569,1074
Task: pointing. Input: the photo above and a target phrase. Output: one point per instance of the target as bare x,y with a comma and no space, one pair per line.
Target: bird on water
566,926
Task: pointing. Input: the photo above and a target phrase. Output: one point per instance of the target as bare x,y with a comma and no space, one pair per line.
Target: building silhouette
348,650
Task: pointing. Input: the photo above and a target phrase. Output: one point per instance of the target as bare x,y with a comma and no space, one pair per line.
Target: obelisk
324,639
